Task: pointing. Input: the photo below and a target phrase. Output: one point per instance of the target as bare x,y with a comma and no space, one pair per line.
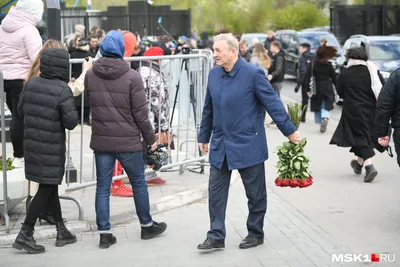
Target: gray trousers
254,183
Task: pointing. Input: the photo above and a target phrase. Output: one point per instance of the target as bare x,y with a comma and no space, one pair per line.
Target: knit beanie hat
80,29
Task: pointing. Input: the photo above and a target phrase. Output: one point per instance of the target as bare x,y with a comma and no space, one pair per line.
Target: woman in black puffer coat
48,108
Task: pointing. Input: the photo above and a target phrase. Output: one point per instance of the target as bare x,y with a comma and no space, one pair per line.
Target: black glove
297,88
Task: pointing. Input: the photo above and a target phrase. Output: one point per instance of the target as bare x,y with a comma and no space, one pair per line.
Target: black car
291,40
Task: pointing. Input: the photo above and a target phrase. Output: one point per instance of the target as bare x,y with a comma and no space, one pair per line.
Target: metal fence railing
5,201
185,79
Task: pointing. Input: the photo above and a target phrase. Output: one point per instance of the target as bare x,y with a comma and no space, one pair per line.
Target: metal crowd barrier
208,52
5,201
186,77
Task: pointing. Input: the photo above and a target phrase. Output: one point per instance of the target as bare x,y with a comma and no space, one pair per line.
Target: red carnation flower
278,182
294,183
285,182
303,183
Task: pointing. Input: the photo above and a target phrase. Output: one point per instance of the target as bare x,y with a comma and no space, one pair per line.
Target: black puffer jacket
388,105
48,108
278,67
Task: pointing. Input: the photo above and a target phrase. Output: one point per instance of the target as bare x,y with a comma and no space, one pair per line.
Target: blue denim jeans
133,165
321,115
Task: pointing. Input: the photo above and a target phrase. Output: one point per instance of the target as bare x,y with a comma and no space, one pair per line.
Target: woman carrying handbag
157,96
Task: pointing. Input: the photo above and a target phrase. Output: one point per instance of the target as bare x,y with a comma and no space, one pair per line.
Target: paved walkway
179,190
291,240
360,218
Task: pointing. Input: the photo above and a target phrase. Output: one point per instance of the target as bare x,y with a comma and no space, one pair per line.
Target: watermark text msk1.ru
383,257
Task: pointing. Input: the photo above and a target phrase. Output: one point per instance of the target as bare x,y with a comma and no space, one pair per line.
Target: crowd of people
40,96
364,125
127,104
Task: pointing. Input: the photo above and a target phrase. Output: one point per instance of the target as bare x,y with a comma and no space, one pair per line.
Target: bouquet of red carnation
293,165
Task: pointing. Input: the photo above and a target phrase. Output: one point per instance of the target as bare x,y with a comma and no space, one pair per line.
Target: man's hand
295,137
384,141
297,88
203,148
270,77
154,146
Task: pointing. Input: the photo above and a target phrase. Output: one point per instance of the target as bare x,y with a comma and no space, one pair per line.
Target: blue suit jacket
234,111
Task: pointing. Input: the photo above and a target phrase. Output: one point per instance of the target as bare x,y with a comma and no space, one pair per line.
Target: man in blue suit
238,94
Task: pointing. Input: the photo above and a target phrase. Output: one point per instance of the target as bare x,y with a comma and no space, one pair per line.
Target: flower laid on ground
293,164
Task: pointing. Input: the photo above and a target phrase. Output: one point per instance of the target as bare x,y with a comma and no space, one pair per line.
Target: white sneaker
18,163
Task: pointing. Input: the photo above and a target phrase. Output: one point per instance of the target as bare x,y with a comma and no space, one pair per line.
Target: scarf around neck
376,84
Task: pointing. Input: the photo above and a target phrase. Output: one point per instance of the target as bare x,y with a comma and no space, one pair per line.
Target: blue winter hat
113,45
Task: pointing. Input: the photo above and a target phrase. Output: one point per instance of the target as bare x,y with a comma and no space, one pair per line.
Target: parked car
249,37
384,51
318,29
291,40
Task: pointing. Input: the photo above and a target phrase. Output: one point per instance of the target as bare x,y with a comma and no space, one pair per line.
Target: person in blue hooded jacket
120,118
238,93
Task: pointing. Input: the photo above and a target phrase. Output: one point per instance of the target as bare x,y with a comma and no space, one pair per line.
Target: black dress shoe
211,244
251,242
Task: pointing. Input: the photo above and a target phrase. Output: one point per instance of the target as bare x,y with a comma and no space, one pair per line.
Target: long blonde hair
262,54
35,69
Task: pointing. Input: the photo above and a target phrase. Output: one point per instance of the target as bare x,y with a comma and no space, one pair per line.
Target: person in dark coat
267,44
139,52
388,109
276,73
305,69
244,50
238,93
120,120
165,45
359,86
325,78
82,51
278,67
118,188
47,107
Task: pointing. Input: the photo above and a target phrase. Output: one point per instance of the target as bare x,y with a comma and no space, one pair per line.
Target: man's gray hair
229,38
